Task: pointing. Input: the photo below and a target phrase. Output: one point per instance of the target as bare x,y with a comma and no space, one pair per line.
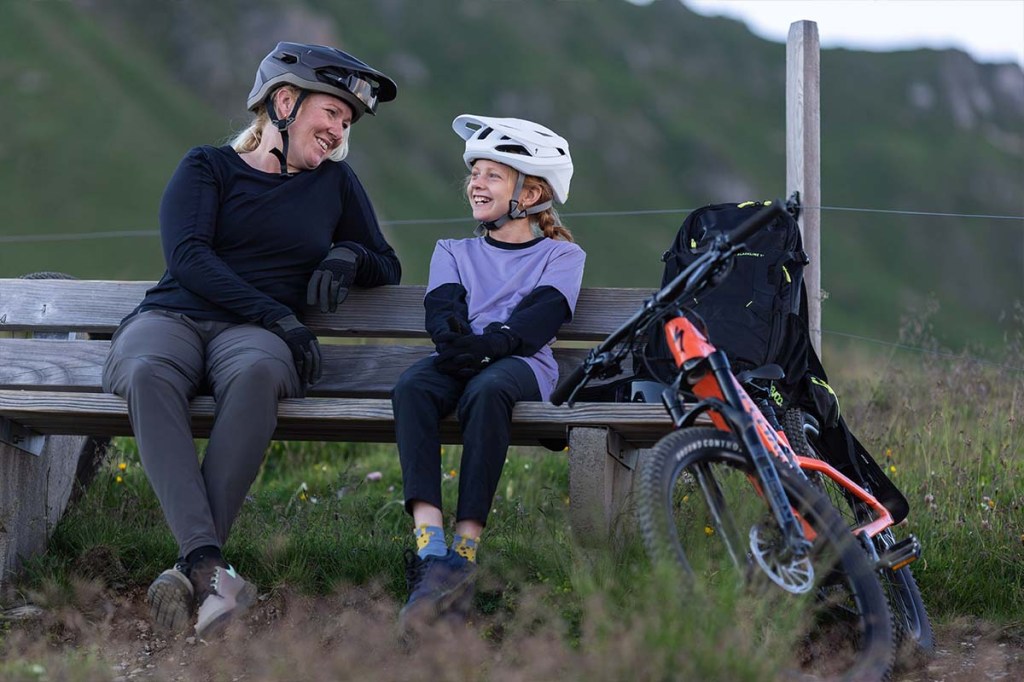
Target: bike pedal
899,555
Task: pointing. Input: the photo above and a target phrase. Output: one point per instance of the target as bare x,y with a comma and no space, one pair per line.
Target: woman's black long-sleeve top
240,244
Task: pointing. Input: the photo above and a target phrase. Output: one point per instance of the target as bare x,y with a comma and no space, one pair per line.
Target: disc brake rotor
793,575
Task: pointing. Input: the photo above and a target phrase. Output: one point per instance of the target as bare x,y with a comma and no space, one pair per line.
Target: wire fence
117,234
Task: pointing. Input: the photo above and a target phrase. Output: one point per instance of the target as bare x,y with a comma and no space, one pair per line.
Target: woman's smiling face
319,129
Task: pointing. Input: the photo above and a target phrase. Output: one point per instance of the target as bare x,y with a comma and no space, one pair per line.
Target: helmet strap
514,211
282,126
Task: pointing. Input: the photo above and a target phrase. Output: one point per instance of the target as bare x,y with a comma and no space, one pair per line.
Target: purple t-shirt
496,279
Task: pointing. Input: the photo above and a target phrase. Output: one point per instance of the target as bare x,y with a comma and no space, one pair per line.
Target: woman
250,233
493,305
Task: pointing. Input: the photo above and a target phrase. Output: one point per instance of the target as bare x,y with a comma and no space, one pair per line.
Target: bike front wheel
699,506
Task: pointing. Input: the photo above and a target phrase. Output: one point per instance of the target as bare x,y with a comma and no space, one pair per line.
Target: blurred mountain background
663,108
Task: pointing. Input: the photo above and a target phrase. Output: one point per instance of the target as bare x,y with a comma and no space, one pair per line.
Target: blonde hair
248,140
547,221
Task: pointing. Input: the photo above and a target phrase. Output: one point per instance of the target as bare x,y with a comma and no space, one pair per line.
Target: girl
493,305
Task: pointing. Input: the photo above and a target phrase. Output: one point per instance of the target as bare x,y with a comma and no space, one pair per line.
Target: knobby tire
849,589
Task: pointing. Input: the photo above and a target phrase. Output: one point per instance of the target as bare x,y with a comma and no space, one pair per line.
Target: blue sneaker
436,585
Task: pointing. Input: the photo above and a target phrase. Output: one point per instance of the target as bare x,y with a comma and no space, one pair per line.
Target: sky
988,30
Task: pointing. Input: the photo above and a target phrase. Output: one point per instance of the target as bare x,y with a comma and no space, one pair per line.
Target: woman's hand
304,347
331,280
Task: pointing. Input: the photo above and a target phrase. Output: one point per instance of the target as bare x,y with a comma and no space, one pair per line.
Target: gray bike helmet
317,68
323,69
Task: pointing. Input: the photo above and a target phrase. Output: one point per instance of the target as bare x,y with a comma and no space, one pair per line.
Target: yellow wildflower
122,466
119,480
709,531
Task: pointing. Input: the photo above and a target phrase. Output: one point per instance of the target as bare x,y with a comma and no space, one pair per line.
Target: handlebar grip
567,385
756,222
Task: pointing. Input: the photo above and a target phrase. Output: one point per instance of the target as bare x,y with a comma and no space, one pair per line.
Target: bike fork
792,532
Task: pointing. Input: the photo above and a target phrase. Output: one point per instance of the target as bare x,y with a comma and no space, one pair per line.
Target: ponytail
547,221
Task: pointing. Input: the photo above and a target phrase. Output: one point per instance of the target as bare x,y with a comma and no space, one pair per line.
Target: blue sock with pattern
430,541
465,547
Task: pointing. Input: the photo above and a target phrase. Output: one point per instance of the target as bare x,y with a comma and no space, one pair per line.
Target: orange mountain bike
732,502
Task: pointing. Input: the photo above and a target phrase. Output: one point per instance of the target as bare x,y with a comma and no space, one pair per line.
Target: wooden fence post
803,153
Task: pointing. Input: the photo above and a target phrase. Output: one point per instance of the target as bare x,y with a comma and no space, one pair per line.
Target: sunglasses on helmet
364,90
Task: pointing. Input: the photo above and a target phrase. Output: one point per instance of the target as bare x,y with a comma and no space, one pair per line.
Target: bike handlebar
687,282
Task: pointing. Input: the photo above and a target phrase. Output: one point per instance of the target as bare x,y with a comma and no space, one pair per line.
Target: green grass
949,433
326,542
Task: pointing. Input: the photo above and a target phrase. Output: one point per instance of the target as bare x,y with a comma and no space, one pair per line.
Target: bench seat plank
98,306
364,370
350,419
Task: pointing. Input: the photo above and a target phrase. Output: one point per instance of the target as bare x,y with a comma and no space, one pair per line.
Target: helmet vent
288,58
485,133
512,149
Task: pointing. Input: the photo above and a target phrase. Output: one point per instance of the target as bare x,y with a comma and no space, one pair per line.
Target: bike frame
706,370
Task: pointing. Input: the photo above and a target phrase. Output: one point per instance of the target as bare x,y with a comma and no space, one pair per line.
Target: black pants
423,396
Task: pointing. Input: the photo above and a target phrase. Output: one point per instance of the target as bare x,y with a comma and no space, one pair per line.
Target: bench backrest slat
98,306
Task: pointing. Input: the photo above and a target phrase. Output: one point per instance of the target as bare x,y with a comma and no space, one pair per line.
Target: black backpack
757,314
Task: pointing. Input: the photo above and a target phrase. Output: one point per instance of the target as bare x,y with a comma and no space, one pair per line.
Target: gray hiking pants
158,361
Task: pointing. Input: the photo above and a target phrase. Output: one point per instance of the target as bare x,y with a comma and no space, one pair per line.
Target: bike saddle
771,372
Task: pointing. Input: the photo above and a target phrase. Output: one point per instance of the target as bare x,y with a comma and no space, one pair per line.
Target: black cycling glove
332,278
304,347
469,354
456,330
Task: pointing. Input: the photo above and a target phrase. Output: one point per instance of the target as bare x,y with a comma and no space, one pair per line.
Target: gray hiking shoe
170,599
221,594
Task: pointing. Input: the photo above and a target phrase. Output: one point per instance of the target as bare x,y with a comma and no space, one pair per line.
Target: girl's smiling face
489,189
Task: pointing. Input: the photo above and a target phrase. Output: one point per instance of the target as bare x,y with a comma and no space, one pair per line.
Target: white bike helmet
528,147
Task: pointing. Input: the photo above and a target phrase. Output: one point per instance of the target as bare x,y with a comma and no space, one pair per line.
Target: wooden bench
51,398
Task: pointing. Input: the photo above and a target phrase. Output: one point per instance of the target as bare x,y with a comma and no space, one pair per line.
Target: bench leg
35,491
601,468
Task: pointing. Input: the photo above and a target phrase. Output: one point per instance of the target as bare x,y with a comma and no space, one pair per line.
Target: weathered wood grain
332,419
359,371
98,306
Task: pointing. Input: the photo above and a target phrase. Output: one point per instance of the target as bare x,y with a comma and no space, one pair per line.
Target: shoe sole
243,600
170,601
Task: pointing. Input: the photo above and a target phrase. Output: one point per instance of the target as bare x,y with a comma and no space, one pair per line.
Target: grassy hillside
664,109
